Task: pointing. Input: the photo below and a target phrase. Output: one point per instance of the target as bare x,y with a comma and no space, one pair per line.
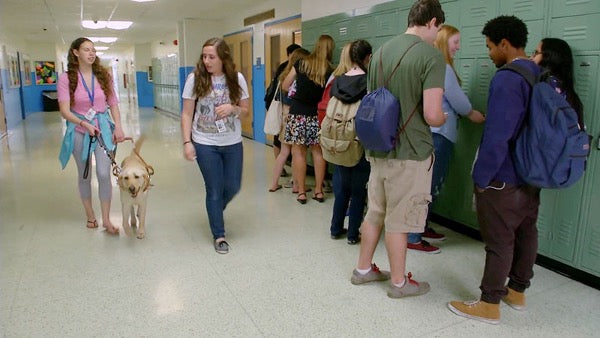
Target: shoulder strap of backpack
523,71
387,80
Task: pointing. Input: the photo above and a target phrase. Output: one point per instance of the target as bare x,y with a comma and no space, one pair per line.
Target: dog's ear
146,182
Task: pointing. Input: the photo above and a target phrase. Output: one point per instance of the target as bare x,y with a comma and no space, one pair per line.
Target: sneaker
375,275
433,236
424,246
340,234
478,310
515,299
410,288
222,247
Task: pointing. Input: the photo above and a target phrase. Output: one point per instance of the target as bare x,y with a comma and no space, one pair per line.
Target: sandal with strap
301,200
319,197
92,224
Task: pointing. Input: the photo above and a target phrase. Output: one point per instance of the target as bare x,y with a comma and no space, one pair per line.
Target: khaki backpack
338,136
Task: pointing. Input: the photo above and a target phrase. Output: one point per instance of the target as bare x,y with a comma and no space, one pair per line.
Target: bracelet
184,143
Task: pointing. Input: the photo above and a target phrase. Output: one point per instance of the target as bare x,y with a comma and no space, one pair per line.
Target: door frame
243,65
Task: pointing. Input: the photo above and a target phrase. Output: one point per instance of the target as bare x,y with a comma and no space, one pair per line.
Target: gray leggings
102,170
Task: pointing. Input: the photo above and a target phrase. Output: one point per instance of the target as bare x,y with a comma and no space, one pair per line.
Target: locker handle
584,64
598,143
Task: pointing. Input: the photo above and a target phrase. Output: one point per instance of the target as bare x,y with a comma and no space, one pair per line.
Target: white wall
314,9
192,34
283,10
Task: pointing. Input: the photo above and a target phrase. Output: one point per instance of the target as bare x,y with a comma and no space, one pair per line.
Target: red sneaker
433,236
424,247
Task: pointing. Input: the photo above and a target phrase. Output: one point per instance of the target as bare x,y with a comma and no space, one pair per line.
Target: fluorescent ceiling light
93,24
99,53
119,24
171,55
100,24
103,39
100,48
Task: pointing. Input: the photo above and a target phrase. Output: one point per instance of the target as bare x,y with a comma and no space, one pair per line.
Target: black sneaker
340,234
222,247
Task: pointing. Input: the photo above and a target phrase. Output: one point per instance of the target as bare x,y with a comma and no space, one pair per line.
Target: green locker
574,7
477,12
581,33
478,93
587,69
341,30
362,27
524,9
472,42
536,33
387,23
451,13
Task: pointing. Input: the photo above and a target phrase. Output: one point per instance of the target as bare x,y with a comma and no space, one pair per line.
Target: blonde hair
297,54
345,61
318,63
441,43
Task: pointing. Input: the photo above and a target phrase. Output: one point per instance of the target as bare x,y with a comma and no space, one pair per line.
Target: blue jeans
349,188
443,151
221,168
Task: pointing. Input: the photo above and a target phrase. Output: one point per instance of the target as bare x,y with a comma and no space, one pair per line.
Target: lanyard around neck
90,95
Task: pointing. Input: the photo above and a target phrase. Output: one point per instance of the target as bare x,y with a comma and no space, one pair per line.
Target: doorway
241,48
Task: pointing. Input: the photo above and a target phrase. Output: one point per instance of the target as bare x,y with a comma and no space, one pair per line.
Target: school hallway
283,277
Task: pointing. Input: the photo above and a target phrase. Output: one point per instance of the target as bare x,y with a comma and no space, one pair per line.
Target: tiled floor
284,276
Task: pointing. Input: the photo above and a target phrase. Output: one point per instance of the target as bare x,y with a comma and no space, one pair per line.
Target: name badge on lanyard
91,113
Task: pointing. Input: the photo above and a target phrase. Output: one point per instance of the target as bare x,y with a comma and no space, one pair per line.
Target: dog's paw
128,230
140,235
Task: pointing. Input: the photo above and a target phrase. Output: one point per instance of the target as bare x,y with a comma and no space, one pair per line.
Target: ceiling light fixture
99,53
100,24
103,39
101,47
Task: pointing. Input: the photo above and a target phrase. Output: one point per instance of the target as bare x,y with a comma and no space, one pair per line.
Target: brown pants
507,217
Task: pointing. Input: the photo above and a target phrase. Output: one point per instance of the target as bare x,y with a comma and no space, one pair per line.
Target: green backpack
338,140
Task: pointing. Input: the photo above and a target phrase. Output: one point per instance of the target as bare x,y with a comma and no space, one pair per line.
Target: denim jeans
443,151
350,189
221,168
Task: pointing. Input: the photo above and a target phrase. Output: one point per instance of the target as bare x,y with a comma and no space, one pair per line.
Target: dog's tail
139,142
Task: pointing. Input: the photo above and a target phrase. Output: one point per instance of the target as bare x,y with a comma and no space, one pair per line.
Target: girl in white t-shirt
215,98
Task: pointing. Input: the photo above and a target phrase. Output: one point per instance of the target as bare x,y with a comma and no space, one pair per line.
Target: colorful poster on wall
45,72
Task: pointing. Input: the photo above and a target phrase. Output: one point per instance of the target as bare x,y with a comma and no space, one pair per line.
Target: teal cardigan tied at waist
104,124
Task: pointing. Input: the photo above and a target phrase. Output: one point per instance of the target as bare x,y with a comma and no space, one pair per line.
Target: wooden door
277,37
241,47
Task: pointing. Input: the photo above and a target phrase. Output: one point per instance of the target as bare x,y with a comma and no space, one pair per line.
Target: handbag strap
387,80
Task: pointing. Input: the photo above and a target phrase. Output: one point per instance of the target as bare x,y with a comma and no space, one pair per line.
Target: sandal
276,188
301,200
307,190
92,224
319,197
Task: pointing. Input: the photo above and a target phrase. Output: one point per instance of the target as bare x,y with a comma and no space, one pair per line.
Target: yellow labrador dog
134,183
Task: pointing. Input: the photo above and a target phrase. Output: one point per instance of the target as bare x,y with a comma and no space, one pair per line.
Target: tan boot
478,310
515,299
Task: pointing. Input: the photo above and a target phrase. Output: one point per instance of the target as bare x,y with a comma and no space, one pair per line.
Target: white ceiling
59,21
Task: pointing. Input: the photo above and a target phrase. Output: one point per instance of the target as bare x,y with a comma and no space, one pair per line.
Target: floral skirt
300,129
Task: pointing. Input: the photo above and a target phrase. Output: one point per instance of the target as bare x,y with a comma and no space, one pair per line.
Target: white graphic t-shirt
205,129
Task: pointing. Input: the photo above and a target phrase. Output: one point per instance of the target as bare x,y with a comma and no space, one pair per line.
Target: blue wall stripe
258,103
